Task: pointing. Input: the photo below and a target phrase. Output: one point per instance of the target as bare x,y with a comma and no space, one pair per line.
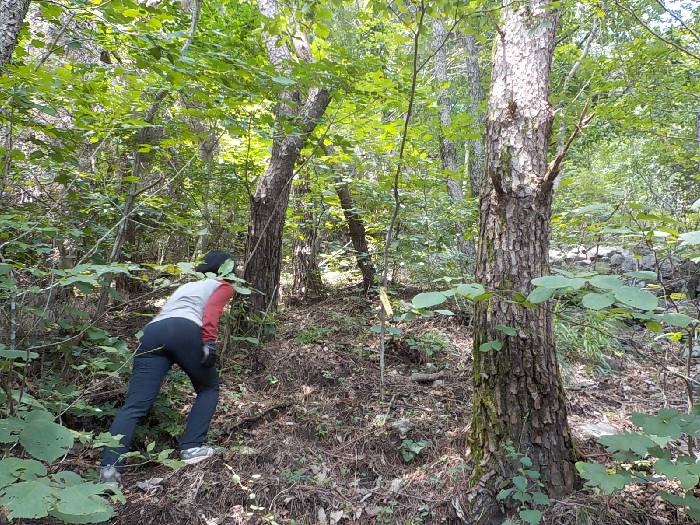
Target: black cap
213,261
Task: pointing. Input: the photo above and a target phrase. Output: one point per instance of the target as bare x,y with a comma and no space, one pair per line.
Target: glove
209,355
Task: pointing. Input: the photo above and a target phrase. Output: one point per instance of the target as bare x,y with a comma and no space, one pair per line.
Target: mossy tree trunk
518,395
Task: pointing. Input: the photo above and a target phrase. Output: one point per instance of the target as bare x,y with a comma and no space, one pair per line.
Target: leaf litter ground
311,442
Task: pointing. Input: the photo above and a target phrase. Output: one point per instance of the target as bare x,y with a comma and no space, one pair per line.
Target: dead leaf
336,516
373,510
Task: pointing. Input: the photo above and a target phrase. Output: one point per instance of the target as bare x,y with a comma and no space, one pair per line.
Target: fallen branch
426,378
248,421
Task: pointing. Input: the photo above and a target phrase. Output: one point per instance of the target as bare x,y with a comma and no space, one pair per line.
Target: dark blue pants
172,340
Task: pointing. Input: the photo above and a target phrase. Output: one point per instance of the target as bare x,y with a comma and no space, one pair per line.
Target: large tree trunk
268,208
12,13
308,284
269,204
518,395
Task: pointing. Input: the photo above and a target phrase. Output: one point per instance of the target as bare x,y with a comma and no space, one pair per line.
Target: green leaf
10,429
502,495
13,469
688,500
27,500
6,353
628,442
44,439
636,298
654,326
67,478
644,275
428,299
226,268
532,474
530,516
606,282
185,267
540,295
243,290
667,423
90,279
490,345
82,504
556,282
520,482
470,290
687,474
507,330
597,301
283,81
679,320
539,498
598,476
690,238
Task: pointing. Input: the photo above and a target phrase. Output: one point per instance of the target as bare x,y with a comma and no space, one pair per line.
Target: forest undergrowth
309,440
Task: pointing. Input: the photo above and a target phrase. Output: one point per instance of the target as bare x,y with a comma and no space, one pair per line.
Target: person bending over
183,332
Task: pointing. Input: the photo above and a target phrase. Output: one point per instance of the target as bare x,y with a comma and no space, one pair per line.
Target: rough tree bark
358,235
474,148
518,394
269,203
12,13
356,228
307,284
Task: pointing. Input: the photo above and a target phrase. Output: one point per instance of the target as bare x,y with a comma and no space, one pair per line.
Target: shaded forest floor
311,441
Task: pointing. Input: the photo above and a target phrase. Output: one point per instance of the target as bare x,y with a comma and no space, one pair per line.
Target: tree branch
555,165
679,19
657,35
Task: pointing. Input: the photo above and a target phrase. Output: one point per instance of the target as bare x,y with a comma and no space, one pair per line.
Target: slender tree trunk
307,284
12,13
358,235
138,167
474,148
356,228
697,131
518,394
269,203
448,151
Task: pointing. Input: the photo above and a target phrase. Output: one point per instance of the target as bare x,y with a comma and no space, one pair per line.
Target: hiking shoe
196,454
110,476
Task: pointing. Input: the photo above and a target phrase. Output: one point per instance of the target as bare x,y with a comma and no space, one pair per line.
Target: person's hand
209,354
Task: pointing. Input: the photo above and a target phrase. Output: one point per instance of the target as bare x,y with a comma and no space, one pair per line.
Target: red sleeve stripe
213,310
